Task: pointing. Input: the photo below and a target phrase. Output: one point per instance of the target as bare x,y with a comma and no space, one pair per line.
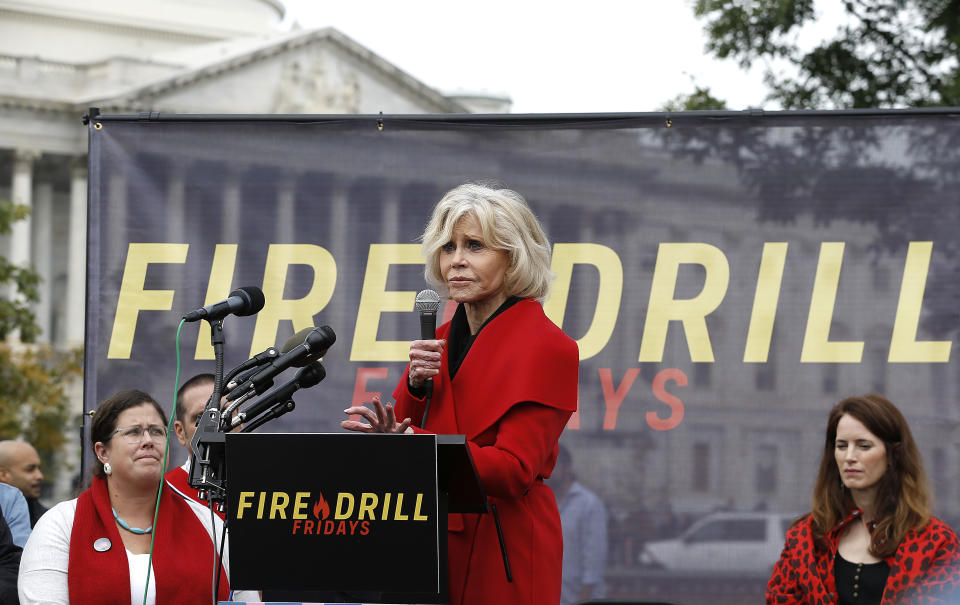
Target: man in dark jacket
9,565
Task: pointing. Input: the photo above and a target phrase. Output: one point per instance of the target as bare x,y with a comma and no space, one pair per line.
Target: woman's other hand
425,358
381,419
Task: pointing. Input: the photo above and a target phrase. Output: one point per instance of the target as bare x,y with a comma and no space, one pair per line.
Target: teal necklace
126,526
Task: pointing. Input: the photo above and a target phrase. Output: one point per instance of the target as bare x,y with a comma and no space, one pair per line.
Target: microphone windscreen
427,301
253,296
317,341
296,340
311,375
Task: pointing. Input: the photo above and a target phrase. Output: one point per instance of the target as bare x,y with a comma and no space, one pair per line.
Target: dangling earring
107,469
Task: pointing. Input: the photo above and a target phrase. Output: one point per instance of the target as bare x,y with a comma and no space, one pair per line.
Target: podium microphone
303,348
243,301
427,304
305,378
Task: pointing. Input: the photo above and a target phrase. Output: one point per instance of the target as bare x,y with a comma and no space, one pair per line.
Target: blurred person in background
584,520
9,564
20,467
192,398
869,538
14,508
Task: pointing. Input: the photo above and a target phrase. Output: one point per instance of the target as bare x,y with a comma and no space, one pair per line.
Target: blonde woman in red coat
503,375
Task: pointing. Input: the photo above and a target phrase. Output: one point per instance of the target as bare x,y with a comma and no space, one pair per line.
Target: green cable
166,450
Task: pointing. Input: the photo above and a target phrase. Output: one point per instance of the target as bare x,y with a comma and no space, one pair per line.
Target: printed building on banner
58,58
749,430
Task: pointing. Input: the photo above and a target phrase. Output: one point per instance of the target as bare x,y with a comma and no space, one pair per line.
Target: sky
548,57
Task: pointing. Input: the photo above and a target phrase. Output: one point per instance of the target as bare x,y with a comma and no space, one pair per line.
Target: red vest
182,554
180,482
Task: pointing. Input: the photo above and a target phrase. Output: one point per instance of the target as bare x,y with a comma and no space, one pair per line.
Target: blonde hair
506,223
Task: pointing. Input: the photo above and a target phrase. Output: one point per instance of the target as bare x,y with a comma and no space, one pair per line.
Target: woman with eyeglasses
96,548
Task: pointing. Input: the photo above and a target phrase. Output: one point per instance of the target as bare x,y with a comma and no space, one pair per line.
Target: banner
728,277
322,519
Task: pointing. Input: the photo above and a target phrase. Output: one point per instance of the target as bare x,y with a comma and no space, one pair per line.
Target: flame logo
321,510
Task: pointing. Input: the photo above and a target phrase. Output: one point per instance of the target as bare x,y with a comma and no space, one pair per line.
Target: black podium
346,517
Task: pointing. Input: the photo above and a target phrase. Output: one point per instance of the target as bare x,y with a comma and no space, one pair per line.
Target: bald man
20,467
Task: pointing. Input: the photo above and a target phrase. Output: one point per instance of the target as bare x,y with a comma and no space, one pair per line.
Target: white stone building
59,58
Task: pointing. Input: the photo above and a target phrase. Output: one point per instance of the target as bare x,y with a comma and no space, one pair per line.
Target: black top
460,339
9,564
860,583
36,510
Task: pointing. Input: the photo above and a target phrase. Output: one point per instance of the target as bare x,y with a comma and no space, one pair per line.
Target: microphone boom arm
275,412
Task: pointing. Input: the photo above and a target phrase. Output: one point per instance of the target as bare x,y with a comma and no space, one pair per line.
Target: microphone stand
208,463
207,467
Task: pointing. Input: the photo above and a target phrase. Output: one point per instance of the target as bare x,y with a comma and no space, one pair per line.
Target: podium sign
334,512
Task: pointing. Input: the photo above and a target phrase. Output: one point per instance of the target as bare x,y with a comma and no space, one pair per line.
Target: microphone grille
296,340
253,297
427,301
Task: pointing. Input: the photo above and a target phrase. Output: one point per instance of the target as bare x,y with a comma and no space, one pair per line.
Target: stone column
176,210
73,313
42,236
77,260
389,234
175,214
390,215
339,219
113,245
286,199
22,190
232,198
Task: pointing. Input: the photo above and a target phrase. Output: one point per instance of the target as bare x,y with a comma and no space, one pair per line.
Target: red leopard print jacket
924,569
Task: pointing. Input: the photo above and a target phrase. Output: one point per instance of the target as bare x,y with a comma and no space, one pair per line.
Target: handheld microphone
243,301
304,379
302,348
427,304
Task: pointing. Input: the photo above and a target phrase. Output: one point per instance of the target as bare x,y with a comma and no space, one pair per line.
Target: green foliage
15,312
33,403
886,53
699,99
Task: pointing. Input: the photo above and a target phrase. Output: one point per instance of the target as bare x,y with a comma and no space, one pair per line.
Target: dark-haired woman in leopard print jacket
923,569
870,538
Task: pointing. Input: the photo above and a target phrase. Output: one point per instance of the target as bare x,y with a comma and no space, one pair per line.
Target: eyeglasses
133,434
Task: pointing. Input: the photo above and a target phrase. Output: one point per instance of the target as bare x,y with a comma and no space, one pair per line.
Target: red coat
512,396
178,479
924,569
